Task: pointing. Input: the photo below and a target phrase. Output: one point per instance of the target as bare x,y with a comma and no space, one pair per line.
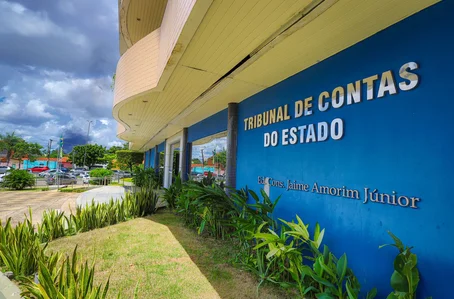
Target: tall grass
66,277
22,247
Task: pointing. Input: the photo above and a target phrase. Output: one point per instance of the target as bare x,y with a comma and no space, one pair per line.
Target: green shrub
18,180
142,177
100,176
45,189
284,254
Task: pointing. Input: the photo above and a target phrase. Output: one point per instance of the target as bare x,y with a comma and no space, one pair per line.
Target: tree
108,159
220,157
24,149
94,155
55,153
196,161
8,142
127,159
114,149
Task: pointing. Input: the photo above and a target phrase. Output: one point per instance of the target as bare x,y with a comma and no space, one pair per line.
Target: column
189,158
168,160
156,160
184,155
232,133
151,158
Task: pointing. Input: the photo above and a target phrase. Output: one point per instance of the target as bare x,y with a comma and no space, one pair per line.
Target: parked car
118,174
78,171
62,178
86,179
4,169
37,169
47,172
2,175
64,169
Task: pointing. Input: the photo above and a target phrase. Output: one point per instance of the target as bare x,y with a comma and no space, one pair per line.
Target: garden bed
166,259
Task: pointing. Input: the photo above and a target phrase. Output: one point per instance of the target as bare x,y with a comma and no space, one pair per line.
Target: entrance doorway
173,159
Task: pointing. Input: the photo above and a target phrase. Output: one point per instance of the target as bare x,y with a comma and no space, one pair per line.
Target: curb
8,290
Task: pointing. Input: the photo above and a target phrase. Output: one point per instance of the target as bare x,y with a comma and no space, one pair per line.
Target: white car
86,178
2,175
4,169
47,172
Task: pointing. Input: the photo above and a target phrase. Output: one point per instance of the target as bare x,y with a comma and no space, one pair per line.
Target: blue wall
26,164
162,147
209,126
147,159
401,143
151,158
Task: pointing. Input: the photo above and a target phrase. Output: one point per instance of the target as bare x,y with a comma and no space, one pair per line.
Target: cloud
208,148
73,136
79,37
57,58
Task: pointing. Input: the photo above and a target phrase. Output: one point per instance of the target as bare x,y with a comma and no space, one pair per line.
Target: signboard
366,195
339,97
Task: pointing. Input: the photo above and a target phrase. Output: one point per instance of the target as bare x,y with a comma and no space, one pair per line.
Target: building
42,161
342,107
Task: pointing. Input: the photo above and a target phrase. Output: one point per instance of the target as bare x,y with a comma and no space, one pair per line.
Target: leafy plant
20,248
54,225
209,179
68,278
405,278
145,177
171,194
18,180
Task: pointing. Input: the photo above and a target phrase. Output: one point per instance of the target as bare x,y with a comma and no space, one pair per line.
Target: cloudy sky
57,58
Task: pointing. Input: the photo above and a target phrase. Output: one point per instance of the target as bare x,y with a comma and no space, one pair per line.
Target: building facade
342,108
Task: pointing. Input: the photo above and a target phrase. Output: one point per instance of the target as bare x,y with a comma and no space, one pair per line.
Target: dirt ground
15,204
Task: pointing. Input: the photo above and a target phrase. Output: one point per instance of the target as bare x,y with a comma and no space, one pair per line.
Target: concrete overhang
227,51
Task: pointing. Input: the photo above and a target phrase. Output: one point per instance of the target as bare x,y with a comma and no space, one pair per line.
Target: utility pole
88,138
203,162
49,145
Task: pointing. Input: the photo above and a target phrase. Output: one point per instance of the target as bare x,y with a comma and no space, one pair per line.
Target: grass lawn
166,259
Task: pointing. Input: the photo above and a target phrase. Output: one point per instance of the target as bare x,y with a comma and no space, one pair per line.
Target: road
15,204
101,195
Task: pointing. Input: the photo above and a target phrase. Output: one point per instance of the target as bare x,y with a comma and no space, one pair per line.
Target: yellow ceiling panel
143,17
327,35
233,29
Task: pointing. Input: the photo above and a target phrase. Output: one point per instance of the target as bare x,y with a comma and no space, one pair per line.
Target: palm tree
8,143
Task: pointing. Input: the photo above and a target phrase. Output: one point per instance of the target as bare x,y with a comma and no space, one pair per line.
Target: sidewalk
100,195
